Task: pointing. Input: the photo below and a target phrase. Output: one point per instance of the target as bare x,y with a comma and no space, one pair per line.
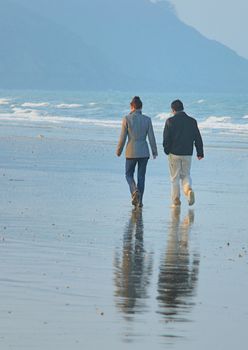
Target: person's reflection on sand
133,269
179,269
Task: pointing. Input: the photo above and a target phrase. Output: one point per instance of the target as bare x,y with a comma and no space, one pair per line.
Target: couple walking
181,134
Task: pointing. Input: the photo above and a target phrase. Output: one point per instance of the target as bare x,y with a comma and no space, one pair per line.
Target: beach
81,269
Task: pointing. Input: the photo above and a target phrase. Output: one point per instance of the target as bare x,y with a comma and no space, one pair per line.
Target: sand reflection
133,268
178,272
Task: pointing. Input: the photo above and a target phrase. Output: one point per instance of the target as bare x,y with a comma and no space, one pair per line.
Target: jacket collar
179,113
137,111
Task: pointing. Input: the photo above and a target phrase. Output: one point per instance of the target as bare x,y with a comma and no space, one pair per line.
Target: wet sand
81,270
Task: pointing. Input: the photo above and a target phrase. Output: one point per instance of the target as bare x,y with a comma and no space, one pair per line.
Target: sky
222,20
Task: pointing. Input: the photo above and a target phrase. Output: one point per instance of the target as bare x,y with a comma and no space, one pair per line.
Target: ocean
222,118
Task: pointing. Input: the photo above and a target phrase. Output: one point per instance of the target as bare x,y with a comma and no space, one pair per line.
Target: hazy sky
222,20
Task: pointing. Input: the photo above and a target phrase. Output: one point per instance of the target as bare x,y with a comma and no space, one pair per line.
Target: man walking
181,134
136,126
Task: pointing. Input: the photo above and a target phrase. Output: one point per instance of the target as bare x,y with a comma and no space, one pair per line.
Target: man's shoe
191,197
135,198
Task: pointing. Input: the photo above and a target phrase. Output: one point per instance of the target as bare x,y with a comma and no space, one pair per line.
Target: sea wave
35,104
4,101
47,104
68,105
163,116
20,114
33,116
223,123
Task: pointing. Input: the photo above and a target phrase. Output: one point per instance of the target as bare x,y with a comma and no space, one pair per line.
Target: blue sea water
222,118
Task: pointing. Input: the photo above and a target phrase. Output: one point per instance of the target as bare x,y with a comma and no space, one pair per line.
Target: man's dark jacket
181,133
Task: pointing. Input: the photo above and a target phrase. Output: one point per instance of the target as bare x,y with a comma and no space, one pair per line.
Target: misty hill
118,44
37,53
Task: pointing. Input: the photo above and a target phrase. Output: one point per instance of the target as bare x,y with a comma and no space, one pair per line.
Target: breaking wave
224,123
30,113
68,105
4,101
35,104
35,116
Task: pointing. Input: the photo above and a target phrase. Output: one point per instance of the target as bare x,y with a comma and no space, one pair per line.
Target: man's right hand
200,158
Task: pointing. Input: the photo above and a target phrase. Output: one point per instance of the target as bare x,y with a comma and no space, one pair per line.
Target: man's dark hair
177,106
136,102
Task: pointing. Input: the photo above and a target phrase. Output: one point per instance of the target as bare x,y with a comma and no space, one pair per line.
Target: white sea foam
70,121
4,101
68,105
245,117
200,101
35,116
163,116
25,114
213,120
31,116
35,104
20,115
20,112
223,123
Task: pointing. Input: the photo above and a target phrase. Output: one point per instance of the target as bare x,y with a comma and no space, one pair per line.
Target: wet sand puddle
155,300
